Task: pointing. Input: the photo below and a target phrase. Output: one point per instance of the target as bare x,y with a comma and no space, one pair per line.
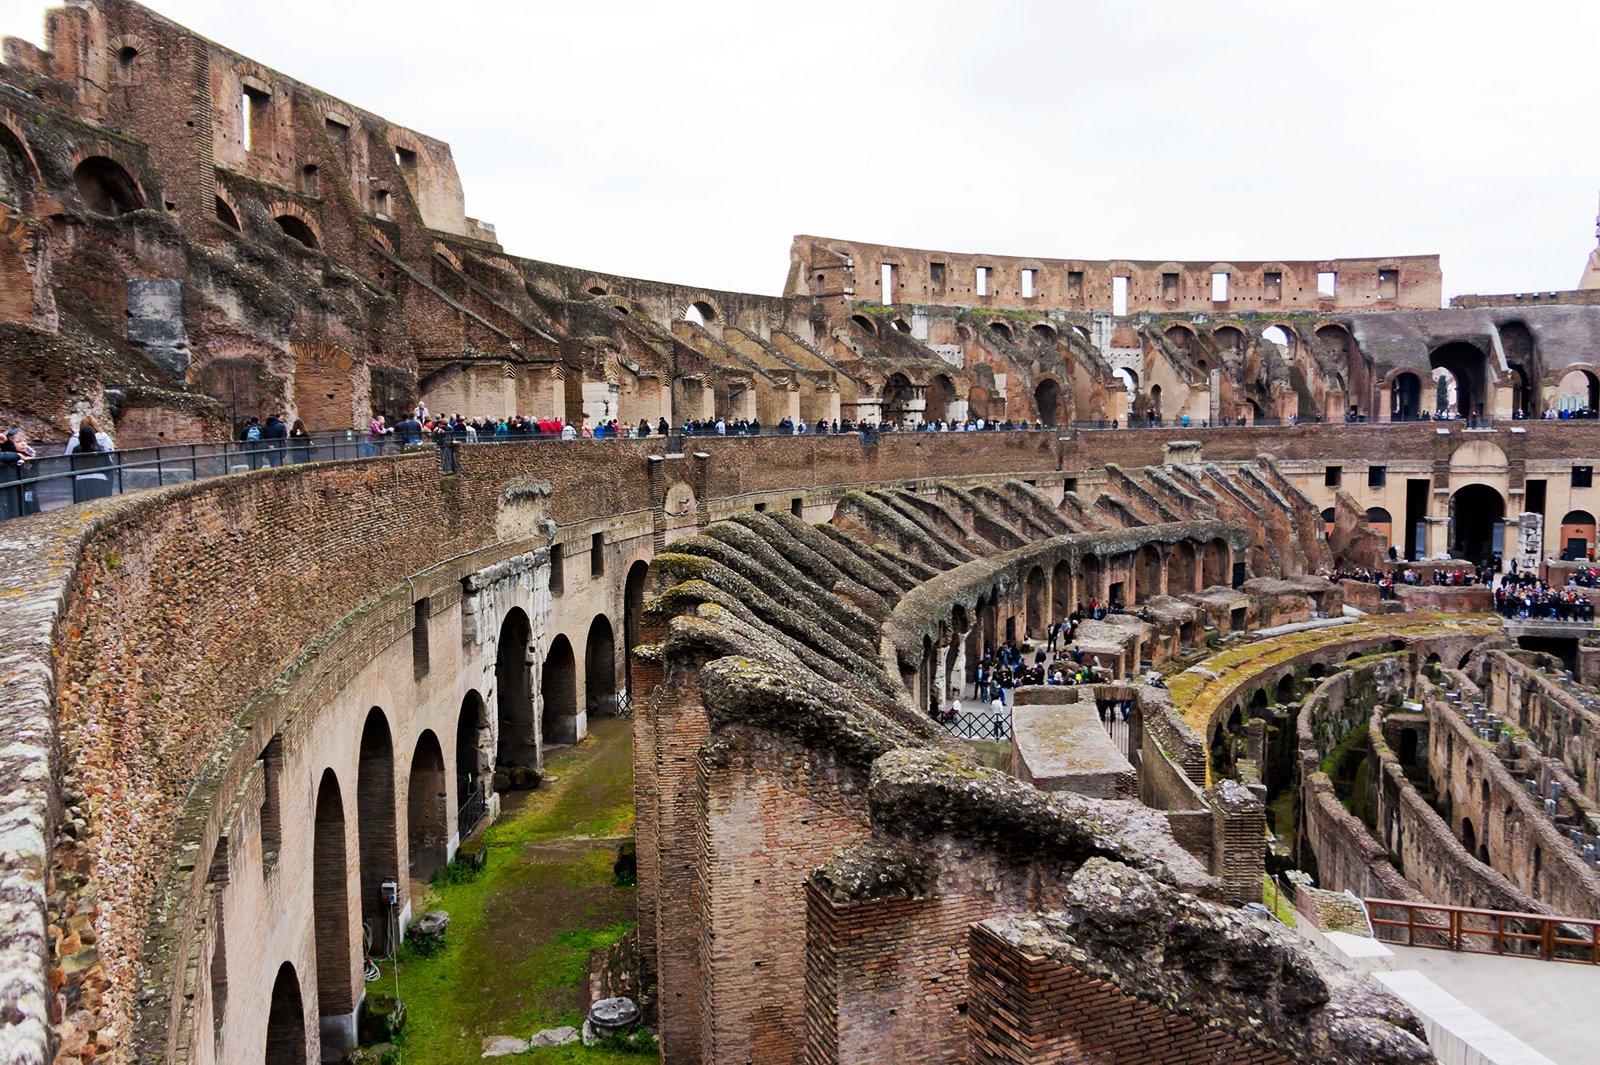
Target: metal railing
978,725
471,812
52,481
1472,931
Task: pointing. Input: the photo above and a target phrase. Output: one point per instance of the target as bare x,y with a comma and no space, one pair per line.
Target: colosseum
1003,660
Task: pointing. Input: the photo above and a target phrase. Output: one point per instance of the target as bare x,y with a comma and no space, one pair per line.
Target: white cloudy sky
689,141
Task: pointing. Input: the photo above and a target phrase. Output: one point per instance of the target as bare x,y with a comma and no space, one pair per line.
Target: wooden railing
1470,931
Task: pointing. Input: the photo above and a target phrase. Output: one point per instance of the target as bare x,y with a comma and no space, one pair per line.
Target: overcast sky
689,141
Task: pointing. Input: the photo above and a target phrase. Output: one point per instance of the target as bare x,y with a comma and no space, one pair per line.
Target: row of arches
352,911
941,402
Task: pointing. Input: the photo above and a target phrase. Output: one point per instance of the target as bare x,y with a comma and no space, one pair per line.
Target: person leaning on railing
92,452
16,464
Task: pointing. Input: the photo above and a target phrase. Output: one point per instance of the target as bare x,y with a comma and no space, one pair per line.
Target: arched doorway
979,404
1216,563
1577,535
1061,590
471,771
1579,393
427,810
1180,568
330,900
1477,523
1522,356
1047,397
1381,522
105,187
1147,574
897,397
375,829
1469,369
1405,402
286,1020
559,688
600,668
632,613
1036,620
513,685
939,399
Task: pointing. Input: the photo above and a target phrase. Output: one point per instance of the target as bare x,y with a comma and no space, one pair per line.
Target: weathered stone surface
499,1046
555,1037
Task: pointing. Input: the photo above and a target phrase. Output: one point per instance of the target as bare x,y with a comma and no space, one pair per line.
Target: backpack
253,433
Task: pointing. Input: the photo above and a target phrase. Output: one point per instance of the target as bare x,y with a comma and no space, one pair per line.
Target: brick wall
1029,1010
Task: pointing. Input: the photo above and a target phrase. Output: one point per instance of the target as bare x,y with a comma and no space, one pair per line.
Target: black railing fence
978,725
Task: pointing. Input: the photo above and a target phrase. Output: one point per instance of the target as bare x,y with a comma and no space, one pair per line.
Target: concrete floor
1551,1006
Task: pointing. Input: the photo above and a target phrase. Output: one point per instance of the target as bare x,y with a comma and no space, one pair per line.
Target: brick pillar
1238,841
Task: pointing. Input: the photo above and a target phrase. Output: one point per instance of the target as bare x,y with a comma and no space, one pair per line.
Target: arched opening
513,685
1147,573
295,228
1093,585
1061,589
1258,708
1405,397
1380,522
863,323
1469,838
1047,397
471,726
559,688
1577,535
18,178
1155,400
700,313
600,668
375,829
1317,671
286,1020
1216,563
1466,367
1285,690
1522,356
1579,393
225,214
1277,335
897,396
1036,619
978,405
1001,330
632,613
427,810
939,399
1180,338
901,325
330,900
1226,338
105,187
1130,381
1477,523
1180,568
1046,333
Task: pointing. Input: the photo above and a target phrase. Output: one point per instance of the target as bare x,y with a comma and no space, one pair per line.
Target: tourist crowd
1524,595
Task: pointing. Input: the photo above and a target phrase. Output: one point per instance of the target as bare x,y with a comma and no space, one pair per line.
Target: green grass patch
516,955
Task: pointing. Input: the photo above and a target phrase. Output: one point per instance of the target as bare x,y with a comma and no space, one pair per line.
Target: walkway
1550,1006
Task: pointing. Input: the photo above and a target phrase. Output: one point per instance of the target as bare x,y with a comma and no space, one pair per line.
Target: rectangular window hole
1169,288
1377,476
936,275
1027,284
1075,284
1119,296
419,638
982,281
887,278
1333,476
597,555
1219,288
1327,284
558,569
1388,284
1272,285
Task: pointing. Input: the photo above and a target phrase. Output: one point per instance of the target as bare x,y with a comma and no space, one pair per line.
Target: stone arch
1469,837
1477,516
1180,567
286,1020
297,223
1578,389
595,286
1046,332
702,310
1036,618
600,667
558,687
1061,590
979,403
1047,399
632,615
898,394
1527,370
1282,335
513,685
863,323
443,251
381,239
21,173
375,825
427,810
1577,525
1215,562
327,387
1405,396
472,727
337,960
1002,330
1147,573
1469,367
1285,691
227,210
107,186
1182,337
939,398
